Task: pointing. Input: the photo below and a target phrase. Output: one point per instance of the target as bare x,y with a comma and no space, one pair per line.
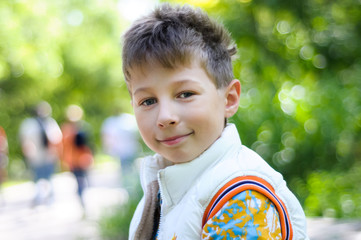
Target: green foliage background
299,64
64,52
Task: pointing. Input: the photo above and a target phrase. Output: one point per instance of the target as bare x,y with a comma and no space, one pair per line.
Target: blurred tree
64,52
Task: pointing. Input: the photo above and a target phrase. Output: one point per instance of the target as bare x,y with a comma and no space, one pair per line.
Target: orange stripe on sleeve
240,184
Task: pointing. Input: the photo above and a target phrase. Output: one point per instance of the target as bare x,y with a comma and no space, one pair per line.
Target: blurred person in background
40,139
4,151
120,139
77,154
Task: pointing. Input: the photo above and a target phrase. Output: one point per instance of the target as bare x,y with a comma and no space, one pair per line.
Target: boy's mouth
175,139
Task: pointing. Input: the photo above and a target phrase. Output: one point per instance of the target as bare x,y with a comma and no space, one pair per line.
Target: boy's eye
148,102
185,94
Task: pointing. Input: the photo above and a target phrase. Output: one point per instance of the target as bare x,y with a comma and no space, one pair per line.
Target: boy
202,183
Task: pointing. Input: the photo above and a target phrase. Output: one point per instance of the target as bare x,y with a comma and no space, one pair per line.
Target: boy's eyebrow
142,89
176,83
185,81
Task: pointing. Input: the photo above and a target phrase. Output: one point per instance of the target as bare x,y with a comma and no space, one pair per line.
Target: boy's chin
184,159
180,159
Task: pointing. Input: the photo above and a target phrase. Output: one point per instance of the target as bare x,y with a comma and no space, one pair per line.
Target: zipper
161,208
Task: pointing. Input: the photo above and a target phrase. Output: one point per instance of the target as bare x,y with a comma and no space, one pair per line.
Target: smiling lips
174,140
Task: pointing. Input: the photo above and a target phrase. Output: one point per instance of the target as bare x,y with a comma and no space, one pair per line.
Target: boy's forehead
139,75
141,70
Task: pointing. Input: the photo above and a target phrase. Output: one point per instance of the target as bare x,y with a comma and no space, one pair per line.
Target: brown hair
173,36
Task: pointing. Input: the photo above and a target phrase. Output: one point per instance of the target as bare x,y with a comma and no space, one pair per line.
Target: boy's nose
167,116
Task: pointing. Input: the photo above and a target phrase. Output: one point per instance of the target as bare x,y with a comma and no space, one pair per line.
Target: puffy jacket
187,189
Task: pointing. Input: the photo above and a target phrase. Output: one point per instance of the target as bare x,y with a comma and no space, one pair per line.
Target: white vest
187,189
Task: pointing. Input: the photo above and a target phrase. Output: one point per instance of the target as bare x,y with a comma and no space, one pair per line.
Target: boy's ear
233,93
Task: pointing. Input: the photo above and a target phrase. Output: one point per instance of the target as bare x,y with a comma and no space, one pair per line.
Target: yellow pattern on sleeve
248,215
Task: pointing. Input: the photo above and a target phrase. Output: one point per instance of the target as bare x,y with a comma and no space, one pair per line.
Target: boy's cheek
143,121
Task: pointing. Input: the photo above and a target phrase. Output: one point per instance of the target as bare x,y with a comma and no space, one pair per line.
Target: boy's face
179,112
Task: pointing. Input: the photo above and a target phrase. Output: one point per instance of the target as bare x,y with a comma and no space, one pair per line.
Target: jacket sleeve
249,215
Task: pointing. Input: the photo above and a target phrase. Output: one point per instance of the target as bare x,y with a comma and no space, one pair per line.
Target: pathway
63,219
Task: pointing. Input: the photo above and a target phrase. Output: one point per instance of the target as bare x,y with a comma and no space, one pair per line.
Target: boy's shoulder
244,161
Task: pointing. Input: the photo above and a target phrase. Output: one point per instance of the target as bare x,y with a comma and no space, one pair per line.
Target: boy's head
176,36
180,79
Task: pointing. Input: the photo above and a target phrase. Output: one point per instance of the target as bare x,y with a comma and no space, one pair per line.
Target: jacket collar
175,180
